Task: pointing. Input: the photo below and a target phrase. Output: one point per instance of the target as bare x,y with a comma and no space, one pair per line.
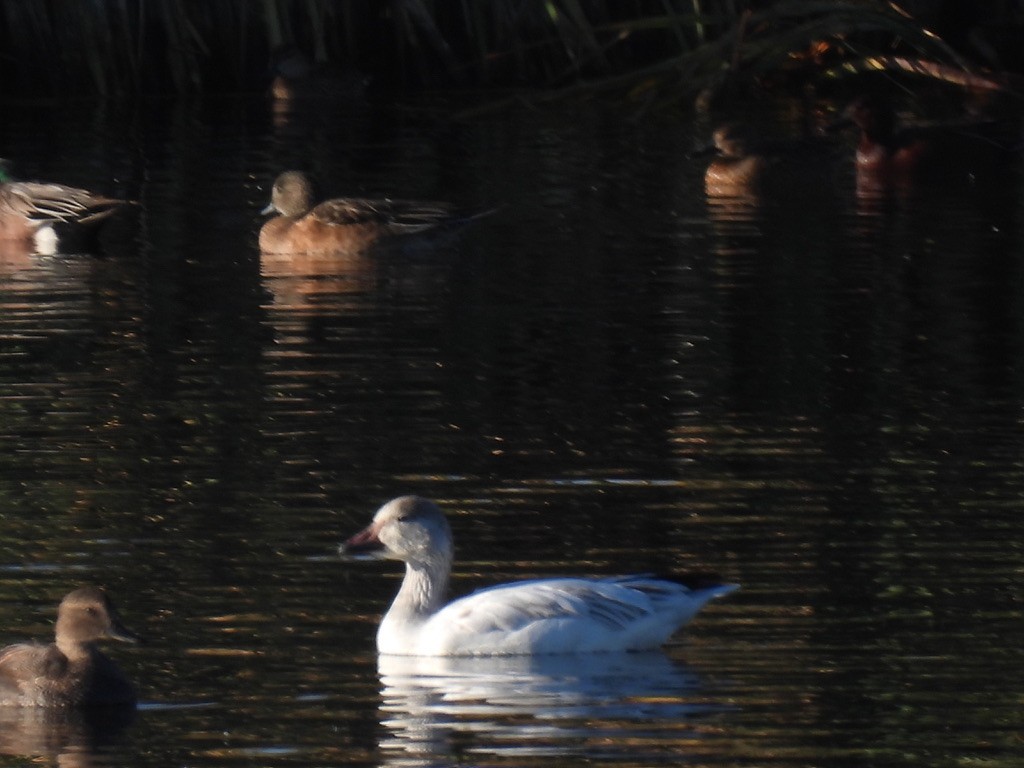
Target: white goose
562,615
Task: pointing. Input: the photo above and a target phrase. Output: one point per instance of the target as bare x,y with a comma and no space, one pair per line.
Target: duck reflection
436,707
67,736
15,257
303,287
297,282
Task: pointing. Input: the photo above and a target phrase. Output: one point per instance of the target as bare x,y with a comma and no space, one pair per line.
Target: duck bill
119,631
365,543
268,210
705,150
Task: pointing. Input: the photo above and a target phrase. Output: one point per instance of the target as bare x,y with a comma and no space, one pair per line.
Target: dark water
818,397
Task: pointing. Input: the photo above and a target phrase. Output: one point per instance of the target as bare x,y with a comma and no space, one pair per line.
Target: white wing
563,615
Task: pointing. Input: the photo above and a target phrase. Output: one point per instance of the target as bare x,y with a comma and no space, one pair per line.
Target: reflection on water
819,398
68,737
592,706
15,259
296,281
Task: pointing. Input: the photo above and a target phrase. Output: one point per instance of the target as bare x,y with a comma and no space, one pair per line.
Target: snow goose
559,615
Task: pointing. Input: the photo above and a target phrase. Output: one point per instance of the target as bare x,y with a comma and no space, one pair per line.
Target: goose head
409,528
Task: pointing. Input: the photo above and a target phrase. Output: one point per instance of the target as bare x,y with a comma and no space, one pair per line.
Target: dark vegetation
635,49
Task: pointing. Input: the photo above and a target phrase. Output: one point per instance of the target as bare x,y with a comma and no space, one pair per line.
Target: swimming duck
891,155
347,225
736,169
753,169
42,215
295,77
883,149
540,616
70,671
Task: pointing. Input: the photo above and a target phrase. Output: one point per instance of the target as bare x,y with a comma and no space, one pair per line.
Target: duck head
88,615
292,195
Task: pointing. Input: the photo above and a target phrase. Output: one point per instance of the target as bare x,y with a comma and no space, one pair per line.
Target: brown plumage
344,225
70,671
889,155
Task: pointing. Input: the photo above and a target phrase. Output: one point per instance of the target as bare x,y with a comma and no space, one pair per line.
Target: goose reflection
436,707
65,736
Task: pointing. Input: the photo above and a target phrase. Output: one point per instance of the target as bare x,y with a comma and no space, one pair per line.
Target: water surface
817,396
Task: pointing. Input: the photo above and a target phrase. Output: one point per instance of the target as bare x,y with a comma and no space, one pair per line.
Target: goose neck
423,589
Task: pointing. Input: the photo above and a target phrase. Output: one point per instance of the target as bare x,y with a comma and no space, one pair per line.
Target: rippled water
816,396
